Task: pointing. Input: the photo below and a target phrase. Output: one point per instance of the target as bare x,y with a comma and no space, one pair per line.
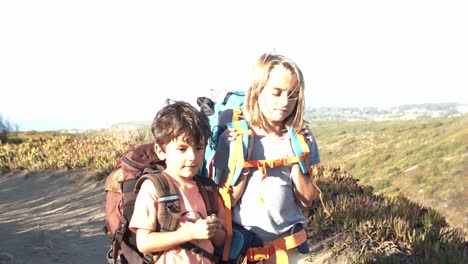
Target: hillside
424,159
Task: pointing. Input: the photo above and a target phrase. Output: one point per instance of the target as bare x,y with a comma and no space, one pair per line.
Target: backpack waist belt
278,247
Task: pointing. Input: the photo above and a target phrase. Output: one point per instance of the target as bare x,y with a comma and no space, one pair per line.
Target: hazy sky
88,64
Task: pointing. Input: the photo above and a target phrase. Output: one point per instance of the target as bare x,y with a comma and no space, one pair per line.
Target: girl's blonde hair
261,73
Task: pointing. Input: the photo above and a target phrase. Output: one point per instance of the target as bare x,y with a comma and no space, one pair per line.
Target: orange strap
263,164
225,189
278,247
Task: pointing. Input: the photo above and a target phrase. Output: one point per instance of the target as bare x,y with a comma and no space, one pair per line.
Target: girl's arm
304,189
238,189
220,236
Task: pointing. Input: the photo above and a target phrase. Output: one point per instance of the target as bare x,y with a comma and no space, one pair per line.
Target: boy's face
183,159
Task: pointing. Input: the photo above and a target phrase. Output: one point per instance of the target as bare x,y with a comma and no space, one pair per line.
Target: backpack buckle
148,258
260,253
196,250
118,235
172,208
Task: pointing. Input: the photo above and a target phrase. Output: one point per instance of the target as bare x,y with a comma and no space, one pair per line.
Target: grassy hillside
426,160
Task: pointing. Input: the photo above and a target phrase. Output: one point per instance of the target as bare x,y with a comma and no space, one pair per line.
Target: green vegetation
424,160
54,150
372,228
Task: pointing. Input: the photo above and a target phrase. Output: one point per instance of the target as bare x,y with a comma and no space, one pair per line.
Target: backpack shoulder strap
300,149
209,192
238,149
168,200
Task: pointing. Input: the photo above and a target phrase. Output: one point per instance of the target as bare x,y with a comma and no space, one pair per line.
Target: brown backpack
122,185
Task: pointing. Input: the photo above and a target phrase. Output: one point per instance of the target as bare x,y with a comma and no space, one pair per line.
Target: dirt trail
52,217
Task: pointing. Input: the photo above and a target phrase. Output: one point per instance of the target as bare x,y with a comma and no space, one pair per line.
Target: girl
269,204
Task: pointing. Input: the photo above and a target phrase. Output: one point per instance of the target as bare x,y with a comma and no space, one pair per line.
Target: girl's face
183,158
278,98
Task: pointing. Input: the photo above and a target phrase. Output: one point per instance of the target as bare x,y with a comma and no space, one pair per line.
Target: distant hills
131,125
403,112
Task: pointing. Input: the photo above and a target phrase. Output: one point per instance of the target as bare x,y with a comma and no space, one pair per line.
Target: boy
181,133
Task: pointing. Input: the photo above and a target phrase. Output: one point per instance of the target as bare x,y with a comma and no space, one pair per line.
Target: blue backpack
232,100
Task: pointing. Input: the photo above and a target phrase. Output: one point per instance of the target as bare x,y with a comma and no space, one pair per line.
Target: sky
90,64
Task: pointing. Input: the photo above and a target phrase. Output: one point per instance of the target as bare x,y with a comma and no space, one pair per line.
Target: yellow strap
281,256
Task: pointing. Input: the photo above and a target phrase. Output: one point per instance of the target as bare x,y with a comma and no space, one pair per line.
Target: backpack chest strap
262,165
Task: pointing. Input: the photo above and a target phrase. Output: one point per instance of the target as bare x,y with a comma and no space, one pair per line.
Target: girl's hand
215,222
307,133
231,134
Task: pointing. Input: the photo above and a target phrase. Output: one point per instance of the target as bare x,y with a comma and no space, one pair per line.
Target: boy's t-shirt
146,211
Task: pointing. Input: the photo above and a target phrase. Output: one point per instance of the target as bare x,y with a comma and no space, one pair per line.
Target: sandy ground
52,217
58,217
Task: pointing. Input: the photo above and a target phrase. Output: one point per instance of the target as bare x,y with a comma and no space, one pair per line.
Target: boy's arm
150,241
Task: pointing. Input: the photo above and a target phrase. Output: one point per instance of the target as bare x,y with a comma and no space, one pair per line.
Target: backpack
228,176
122,186
232,100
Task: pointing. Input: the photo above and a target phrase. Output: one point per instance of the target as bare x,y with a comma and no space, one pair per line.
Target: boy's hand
203,228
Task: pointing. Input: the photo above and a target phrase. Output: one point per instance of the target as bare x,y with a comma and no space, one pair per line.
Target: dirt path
52,217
